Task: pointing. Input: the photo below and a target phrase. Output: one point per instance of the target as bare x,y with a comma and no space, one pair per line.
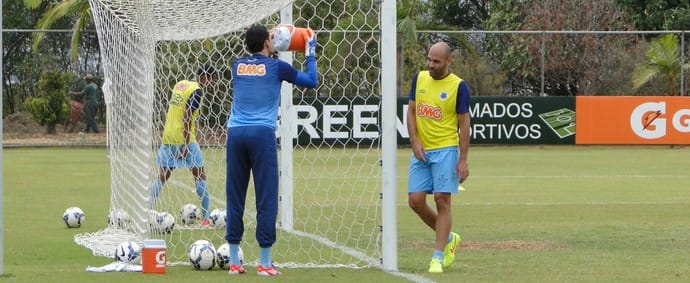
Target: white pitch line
574,203
578,176
566,203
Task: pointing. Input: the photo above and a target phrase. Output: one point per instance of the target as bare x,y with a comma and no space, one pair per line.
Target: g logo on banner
648,122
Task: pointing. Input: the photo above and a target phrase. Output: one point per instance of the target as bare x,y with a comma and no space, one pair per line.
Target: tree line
493,63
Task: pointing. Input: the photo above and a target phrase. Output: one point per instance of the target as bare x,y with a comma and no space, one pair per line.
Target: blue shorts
168,156
437,174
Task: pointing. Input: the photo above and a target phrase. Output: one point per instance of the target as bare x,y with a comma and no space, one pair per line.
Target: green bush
50,106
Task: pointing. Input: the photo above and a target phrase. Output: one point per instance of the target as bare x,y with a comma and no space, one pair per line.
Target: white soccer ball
202,255
162,223
189,213
119,218
217,217
73,217
223,256
128,252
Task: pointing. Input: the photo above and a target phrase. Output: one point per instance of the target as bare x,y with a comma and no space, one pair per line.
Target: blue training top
256,88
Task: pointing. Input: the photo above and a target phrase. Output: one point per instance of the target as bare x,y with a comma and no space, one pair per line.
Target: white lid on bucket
154,243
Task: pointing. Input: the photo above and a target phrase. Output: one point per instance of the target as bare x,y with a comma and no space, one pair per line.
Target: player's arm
417,147
192,105
310,77
463,109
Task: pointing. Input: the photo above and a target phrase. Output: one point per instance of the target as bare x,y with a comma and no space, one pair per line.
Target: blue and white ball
120,219
162,223
189,213
73,217
128,252
202,255
218,217
223,256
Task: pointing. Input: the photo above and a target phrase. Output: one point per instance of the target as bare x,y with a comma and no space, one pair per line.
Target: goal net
330,171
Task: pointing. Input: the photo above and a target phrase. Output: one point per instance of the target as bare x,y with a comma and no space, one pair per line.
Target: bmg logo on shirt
429,111
251,69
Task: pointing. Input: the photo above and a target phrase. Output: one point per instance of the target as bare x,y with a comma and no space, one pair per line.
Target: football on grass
128,252
202,255
73,217
223,256
162,223
189,213
217,217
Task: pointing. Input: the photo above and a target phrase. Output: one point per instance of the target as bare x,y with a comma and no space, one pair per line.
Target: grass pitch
530,214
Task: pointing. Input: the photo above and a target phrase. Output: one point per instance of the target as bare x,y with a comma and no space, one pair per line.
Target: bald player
438,122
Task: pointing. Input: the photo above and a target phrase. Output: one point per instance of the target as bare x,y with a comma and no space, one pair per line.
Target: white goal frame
287,132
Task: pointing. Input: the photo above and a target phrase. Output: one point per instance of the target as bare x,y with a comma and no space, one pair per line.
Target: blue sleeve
308,78
194,100
462,103
413,87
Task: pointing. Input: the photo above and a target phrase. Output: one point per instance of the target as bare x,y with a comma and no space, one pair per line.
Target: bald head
441,49
438,60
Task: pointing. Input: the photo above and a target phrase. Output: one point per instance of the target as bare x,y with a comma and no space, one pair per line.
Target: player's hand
310,46
418,150
463,170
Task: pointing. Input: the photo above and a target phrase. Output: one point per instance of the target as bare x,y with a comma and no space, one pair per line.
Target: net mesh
330,176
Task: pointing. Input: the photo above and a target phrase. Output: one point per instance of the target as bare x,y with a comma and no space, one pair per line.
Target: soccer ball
202,255
128,252
223,256
73,217
162,223
119,218
189,213
217,217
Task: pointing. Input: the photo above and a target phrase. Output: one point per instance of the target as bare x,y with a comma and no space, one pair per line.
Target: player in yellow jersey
179,147
438,122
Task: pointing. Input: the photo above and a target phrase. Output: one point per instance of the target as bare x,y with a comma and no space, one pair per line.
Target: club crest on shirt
444,95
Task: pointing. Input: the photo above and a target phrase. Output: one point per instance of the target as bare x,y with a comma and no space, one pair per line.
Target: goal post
337,172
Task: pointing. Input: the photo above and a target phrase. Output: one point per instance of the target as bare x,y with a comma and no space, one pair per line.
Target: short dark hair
255,37
206,70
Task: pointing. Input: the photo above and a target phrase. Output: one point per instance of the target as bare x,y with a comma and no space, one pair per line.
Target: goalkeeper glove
310,46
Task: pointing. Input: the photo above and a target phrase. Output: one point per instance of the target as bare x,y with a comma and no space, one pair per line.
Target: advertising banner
522,120
495,120
633,120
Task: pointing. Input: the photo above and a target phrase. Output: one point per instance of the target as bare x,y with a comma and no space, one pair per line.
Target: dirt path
19,129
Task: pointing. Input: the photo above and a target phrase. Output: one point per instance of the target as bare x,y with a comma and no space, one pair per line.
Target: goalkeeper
251,142
179,147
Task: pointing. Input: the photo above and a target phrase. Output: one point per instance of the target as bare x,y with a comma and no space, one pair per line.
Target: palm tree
663,59
80,9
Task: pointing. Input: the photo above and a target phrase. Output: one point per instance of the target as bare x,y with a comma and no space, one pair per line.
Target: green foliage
657,15
663,59
483,77
79,10
571,62
463,14
50,106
